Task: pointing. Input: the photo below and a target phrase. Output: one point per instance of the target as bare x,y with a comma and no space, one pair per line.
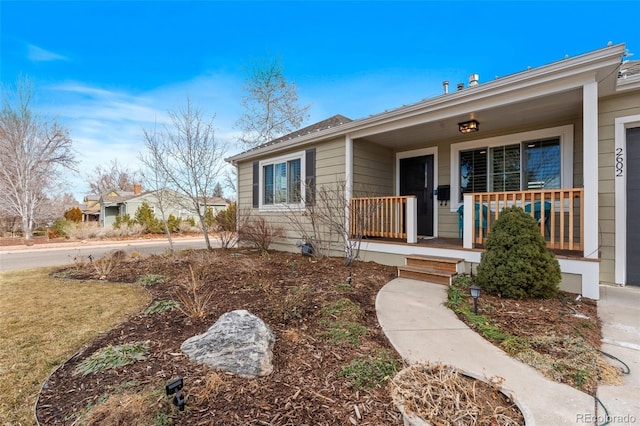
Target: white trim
620,183
419,153
565,133
282,159
590,168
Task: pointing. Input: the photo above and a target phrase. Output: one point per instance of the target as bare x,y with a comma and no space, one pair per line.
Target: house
117,203
90,208
561,140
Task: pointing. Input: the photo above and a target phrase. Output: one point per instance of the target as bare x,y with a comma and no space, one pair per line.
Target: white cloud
107,124
38,54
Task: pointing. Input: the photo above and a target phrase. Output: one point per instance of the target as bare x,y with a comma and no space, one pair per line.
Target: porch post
348,182
467,223
590,168
412,220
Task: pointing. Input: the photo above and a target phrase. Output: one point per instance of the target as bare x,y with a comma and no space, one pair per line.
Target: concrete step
436,262
426,274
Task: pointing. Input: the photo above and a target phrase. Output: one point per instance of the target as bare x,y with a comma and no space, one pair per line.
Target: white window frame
564,133
283,159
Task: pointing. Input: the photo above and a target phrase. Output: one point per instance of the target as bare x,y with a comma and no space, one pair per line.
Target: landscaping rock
239,342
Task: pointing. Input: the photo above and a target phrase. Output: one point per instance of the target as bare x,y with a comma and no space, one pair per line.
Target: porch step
434,262
434,269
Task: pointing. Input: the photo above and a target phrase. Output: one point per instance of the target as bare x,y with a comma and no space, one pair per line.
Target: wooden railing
388,217
559,212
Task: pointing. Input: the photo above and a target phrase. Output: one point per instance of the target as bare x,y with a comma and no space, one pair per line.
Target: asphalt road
40,256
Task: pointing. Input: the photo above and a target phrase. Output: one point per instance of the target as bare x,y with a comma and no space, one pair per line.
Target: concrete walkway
412,315
619,311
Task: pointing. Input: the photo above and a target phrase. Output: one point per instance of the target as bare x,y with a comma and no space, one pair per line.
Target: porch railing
559,213
387,217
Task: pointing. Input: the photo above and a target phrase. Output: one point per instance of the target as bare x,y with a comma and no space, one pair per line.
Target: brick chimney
137,189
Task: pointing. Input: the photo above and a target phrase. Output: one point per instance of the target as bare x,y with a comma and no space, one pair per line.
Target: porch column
467,222
590,168
348,181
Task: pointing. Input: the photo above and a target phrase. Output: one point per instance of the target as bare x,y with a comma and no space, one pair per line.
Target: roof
517,87
331,122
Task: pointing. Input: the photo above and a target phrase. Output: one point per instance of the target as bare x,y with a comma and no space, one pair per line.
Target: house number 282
619,162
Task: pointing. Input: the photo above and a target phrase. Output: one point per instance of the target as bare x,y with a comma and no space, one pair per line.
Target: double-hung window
529,161
281,181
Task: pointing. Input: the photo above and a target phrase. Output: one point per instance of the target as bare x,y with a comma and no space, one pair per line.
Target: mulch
305,387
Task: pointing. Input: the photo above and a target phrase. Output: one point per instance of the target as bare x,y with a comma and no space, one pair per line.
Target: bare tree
270,104
188,156
156,180
114,176
34,153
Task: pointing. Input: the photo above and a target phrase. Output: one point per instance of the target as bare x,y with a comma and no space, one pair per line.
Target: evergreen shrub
516,263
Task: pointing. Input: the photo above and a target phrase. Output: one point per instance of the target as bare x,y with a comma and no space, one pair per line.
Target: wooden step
434,262
426,274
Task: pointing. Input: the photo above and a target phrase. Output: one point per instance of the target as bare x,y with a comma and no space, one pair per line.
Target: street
40,256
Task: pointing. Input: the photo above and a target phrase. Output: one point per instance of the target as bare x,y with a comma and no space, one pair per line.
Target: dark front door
416,178
633,206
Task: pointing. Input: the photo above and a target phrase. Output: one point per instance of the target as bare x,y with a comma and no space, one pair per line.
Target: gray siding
373,170
609,109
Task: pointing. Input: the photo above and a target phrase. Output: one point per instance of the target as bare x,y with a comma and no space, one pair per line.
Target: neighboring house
118,203
562,140
91,208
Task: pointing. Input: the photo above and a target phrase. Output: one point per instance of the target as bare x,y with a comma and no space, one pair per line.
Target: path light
173,388
475,293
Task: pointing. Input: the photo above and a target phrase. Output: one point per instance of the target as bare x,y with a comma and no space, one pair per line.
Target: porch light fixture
475,293
469,126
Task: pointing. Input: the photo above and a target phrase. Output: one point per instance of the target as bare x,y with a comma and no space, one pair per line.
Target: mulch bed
305,387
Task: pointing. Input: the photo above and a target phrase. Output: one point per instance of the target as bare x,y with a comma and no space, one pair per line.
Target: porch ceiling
493,121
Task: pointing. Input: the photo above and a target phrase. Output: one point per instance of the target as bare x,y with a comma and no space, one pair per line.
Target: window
542,164
498,169
541,159
281,181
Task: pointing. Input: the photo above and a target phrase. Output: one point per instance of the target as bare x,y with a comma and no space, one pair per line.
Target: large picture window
282,181
515,167
536,160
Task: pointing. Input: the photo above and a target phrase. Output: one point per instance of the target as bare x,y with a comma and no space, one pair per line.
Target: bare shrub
259,232
226,226
193,296
104,266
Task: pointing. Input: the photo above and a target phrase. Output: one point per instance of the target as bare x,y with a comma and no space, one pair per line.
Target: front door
416,178
633,206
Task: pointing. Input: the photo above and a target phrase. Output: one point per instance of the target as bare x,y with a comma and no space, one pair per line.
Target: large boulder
239,342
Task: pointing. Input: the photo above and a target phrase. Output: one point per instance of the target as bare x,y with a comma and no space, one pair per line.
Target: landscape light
173,388
475,293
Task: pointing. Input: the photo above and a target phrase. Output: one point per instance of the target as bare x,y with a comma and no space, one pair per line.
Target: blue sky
109,69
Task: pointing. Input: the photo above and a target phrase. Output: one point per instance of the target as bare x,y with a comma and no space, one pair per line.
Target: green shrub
151,279
144,216
58,228
113,357
516,263
162,306
173,223
124,219
344,333
371,371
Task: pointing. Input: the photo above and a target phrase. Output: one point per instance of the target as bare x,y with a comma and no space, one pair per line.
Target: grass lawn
43,321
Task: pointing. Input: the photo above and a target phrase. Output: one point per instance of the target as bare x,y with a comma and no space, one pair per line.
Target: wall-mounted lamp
469,126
